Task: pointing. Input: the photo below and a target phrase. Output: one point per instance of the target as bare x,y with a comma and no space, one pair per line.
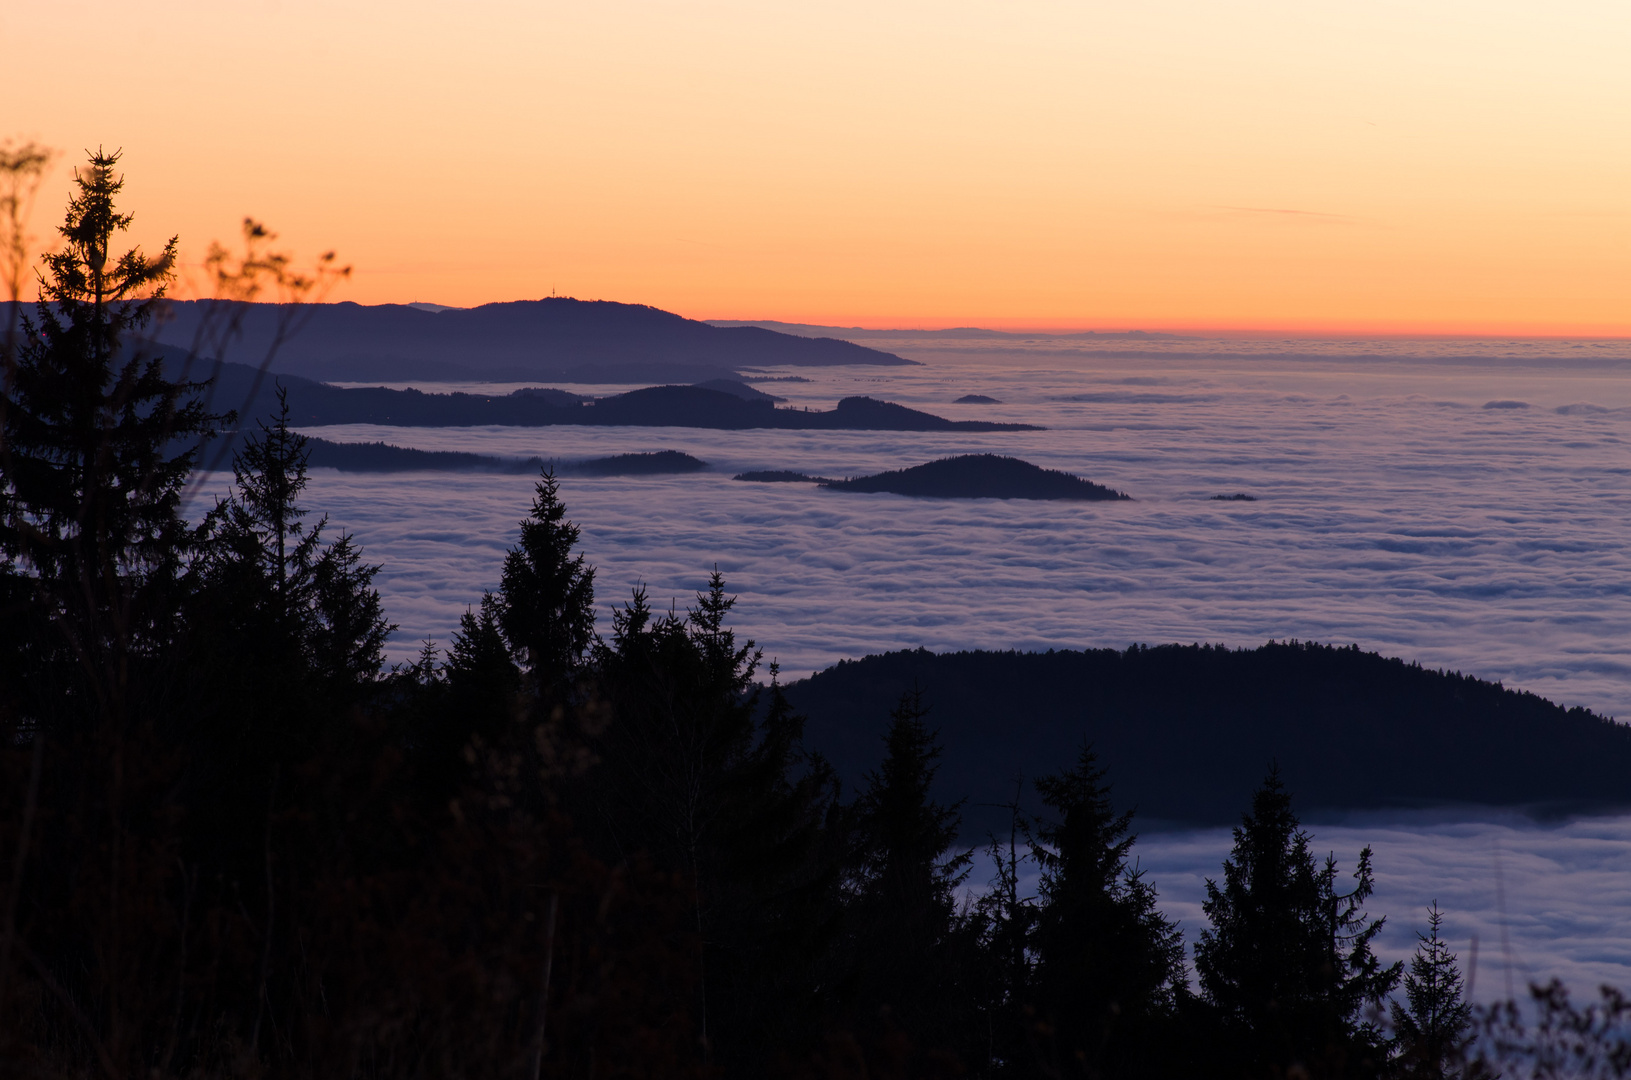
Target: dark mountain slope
556,339
1187,731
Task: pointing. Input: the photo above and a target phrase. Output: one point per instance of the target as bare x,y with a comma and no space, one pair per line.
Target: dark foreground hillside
1184,730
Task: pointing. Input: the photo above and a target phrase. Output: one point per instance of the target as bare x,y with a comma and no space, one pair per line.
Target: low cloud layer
1392,510
1488,541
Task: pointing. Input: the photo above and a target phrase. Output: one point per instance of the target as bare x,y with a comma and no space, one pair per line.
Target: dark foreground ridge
980,476
558,339
313,404
1182,729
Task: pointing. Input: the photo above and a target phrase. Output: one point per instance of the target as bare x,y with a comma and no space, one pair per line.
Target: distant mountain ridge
861,333
557,339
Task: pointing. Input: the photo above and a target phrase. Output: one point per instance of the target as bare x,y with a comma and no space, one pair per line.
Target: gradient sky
1452,166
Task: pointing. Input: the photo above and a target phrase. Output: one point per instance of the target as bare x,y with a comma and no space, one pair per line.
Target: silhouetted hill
558,339
740,389
1186,732
385,457
976,399
313,404
652,464
778,476
979,476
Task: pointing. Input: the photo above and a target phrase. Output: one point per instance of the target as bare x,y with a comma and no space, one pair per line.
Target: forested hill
314,404
979,476
1184,731
555,339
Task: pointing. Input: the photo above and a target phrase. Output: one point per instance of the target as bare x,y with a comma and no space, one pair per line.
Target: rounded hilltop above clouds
980,476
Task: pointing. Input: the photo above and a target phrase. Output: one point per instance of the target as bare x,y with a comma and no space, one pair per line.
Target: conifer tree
774,901
297,608
1431,1025
284,634
482,677
907,875
348,640
1287,963
94,455
681,693
548,592
1109,964
731,804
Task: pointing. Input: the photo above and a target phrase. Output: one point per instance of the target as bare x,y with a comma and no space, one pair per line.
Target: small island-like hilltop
980,476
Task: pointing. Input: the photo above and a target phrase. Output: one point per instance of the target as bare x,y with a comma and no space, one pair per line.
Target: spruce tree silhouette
548,593
1109,965
1432,1025
907,876
95,449
483,681
296,618
1287,962
94,455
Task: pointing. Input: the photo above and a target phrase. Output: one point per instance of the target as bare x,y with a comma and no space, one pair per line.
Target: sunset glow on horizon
1390,168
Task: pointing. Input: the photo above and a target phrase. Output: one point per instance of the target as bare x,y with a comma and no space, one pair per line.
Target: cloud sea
1463,504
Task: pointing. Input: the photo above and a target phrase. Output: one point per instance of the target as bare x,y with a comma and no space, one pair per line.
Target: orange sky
1386,166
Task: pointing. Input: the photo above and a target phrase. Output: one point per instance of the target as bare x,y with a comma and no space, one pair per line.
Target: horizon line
1263,327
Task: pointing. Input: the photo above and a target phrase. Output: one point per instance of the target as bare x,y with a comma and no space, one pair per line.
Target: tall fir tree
285,633
693,775
1287,962
1110,966
1432,1024
303,610
548,592
95,451
911,943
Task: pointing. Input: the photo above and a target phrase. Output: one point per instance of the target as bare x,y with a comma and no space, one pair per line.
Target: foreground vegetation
234,843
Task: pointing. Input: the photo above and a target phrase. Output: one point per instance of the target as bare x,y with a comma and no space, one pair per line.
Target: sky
1455,167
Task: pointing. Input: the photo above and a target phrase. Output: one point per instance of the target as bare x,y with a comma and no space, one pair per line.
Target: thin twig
538,1043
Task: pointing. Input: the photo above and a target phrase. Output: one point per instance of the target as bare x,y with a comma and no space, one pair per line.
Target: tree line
235,842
